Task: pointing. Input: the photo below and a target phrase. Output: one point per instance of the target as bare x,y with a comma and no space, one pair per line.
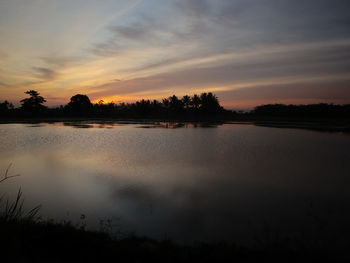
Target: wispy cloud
270,66
174,46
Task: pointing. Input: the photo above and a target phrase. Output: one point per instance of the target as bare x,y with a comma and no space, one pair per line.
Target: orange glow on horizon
104,101
114,99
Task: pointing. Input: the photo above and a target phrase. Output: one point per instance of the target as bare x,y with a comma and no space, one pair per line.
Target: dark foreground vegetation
203,107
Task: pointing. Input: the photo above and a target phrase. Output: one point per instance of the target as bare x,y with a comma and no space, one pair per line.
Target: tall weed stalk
11,211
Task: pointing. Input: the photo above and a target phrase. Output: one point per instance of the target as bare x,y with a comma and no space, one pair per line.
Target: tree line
187,107
321,110
203,106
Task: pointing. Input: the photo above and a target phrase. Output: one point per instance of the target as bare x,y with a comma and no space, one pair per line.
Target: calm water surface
227,182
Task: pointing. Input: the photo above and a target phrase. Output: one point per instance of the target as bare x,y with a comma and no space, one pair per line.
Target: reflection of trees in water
86,125
78,125
147,125
176,125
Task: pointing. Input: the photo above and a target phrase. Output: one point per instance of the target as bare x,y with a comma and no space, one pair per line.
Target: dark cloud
324,90
267,21
297,93
3,84
107,49
144,29
194,9
161,63
144,33
45,73
133,32
61,61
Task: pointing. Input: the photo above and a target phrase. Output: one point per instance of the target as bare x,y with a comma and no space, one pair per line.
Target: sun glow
104,100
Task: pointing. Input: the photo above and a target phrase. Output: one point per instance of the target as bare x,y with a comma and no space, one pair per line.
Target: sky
247,52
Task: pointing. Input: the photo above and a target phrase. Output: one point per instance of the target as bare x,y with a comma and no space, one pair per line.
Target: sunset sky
248,52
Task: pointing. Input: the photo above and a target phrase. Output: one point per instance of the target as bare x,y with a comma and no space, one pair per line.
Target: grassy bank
29,241
25,237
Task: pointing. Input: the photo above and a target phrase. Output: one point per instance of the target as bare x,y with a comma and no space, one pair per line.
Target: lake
186,182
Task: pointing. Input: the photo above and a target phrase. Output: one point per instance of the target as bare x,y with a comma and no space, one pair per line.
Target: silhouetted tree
5,108
79,105
186,100
195,101
209,103
166,103
174,103
33,104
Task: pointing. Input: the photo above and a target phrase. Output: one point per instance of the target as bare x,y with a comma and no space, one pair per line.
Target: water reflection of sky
187,184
